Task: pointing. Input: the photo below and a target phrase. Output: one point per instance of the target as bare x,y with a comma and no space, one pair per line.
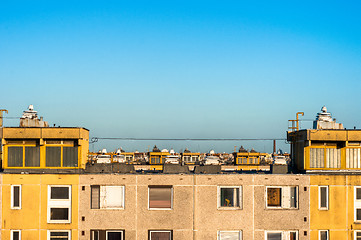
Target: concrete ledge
171,168
210,169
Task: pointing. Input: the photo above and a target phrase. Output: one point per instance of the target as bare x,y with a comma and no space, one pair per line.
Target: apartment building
50,191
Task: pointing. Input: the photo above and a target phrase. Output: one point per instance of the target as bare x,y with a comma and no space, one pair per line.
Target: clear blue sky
181,68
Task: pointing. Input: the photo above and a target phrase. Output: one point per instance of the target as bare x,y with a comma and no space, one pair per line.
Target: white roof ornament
30,113
30,119
324,115
324,121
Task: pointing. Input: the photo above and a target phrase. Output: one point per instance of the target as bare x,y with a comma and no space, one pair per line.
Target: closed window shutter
160,236
274,197
160,197
95,197
111,197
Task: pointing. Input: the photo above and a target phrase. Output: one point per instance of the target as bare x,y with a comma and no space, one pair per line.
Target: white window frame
59,203
240,234
357,203
282,202
12,236
168,231
68,231
327,198
171,196
285,235
240,191
12,197
106,233
355,234
328,234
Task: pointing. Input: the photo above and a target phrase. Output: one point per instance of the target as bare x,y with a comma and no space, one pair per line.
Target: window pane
59,214
53,156
274,197
70,156
229,197
95,197
32,156
115,235
317,158
59,235
98,235
293,236
16,195
160,197
323,197
358,193
358,214
15,156
323,235
293,197
59,193
229,235
16,235
274,236
160,236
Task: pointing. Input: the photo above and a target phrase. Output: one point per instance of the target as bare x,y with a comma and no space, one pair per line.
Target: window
103,197
32,156
15,156
107,234
61,154
230,197
317,158
160,197
186,158
319,155
357,203
23,154
281,235
59,204
282,197
155,160
323,235
15,235
229,235
353,158
323,197
160,235
357,235
15,196
253,160
59,235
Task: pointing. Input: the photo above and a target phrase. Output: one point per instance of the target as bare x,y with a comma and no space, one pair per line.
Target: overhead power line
95,139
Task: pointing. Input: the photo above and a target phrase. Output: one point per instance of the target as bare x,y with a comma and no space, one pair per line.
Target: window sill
116,209
59,222
280,208
229,208
160,209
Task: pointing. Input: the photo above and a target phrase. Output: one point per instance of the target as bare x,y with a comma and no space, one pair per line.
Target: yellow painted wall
32,217
339,218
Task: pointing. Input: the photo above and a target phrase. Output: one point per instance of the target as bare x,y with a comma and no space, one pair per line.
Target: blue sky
175,69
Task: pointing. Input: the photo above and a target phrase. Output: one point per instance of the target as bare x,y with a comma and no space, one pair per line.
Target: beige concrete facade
195,212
